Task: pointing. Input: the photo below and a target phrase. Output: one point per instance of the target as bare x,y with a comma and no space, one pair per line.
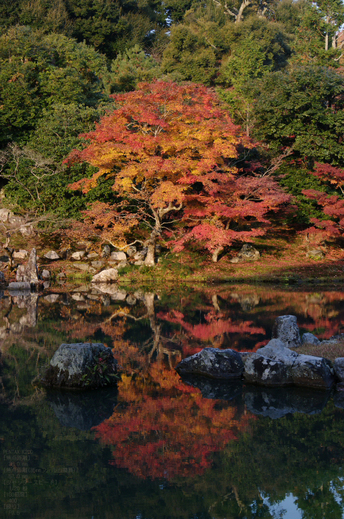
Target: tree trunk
150,258
216,254
151,243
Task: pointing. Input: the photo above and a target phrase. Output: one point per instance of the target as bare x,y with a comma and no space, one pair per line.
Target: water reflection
162,446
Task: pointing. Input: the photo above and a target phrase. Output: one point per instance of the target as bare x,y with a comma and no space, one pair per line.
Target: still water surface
158,446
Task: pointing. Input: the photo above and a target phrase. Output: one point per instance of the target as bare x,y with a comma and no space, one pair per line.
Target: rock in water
214,363
286,330
82,366
277,365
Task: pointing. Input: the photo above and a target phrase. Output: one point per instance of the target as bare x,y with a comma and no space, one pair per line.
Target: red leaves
170,146
170,435
333,205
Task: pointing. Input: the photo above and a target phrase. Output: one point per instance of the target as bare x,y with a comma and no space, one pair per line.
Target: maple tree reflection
162,428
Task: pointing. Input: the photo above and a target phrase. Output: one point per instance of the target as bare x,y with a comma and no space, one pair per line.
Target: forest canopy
275,65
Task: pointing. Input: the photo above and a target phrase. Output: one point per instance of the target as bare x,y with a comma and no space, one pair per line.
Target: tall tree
302,108
173,153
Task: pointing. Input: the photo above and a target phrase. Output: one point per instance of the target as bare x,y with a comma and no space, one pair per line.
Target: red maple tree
332,226
174,154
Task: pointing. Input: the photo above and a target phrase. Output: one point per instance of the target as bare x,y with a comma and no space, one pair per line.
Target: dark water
158,446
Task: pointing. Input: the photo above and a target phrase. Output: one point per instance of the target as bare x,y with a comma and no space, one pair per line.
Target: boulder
276,365
285,328
66,253
28,273
106,276
106,251
246,253
213,363
315,254
98,264
26,230
14,287
52,298
92,255
45,274
82,366
131,250
52,255
77,256
118,256
309,338
338,366
20,254
140,255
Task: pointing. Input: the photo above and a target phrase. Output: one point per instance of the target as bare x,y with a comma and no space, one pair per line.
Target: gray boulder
285,328
213,363
83,366
118,256
106,251
45,274
92,255
78,255
277,365
339,368
28,273
17,287
20,254
52,255
309,338
246,253
106,276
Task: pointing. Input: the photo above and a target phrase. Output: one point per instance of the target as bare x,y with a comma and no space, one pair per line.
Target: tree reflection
162,428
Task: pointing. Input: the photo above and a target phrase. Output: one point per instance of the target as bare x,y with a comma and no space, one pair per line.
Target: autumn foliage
176,159
332,226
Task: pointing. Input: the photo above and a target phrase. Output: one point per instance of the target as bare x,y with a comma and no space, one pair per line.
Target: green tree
302,108
38,70
34,174
131,67
258,47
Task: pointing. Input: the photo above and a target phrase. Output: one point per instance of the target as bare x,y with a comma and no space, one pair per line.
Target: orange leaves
167,193
170,435
168,145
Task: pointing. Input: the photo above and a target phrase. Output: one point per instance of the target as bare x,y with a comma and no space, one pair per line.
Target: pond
157,446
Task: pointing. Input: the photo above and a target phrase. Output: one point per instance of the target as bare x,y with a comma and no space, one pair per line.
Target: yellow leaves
167,193
124,184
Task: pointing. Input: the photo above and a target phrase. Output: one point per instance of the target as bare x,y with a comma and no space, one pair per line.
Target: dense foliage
176,157
275,63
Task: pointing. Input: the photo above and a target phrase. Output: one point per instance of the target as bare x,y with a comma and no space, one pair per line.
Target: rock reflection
82,410
16,325
216,389
278,402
